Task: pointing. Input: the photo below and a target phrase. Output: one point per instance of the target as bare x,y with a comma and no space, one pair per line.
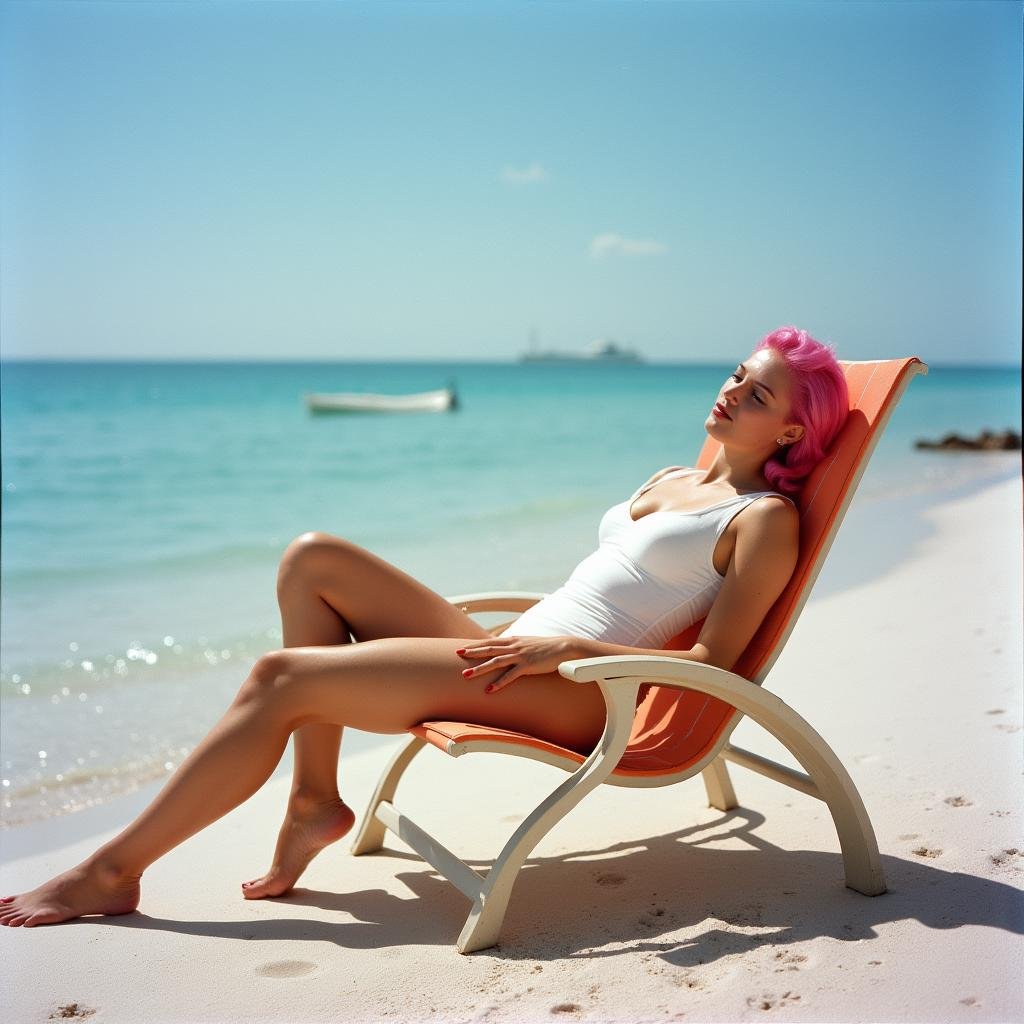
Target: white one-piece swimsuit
648,580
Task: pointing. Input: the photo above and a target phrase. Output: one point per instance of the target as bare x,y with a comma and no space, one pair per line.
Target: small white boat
441,400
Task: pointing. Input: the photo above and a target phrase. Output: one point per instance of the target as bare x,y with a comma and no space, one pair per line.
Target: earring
779,440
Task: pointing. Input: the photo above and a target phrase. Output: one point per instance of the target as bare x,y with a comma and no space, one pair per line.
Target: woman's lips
719,410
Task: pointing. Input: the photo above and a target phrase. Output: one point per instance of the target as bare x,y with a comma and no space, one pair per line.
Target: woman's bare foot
309,826
89,888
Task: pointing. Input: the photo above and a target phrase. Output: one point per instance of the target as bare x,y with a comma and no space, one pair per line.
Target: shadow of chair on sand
633,897
657,886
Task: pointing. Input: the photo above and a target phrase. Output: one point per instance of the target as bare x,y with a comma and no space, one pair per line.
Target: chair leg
485,919
833,783
830,779
856,835
370,836
721,795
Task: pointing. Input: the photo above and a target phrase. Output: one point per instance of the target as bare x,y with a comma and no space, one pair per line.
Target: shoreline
59,831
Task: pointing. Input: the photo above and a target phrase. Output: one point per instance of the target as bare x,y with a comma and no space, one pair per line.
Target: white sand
642,905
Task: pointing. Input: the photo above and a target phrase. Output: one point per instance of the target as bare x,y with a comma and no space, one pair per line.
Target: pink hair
819,402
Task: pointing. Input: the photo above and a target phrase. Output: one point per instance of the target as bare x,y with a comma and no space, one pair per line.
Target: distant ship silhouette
604,350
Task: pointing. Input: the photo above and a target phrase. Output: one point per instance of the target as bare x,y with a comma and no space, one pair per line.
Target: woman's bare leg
230,764
330,591
381,686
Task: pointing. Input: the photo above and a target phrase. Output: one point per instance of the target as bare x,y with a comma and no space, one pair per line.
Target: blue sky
432,180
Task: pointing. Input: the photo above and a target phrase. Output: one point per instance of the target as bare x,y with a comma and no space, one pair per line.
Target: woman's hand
515,656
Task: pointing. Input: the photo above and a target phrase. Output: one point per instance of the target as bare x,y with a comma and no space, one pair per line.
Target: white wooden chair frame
620,679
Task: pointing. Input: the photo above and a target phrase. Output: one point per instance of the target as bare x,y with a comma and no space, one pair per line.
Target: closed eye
736,377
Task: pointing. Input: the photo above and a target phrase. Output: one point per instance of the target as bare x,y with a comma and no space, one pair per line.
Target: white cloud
524,176
610,242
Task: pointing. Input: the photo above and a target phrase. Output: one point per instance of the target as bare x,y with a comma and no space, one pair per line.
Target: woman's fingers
502,681
499,661
506,664
482,650
497,654
513,657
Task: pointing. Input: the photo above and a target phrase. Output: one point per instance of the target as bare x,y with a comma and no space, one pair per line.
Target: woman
721,541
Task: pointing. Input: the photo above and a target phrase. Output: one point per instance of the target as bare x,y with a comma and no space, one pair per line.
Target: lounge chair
669,719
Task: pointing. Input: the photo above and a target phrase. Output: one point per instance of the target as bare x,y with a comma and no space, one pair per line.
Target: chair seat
449,736
456,738
658,746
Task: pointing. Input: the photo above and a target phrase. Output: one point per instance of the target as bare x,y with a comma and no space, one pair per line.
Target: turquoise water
146,506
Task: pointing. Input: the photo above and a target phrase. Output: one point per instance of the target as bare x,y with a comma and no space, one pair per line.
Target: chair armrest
497,601
659,669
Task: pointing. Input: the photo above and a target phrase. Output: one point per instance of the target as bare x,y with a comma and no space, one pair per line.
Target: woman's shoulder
788,501
771,513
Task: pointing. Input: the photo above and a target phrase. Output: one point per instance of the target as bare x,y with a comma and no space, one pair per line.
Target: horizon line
515,361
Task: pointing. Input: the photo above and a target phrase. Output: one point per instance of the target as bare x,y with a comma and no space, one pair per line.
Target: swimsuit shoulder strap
733,506
773,494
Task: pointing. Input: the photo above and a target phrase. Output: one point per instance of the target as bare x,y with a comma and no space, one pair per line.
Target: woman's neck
734,474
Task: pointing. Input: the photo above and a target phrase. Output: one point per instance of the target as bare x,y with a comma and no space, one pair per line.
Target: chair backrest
675,729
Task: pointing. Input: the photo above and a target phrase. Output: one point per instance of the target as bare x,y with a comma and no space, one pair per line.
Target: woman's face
756,399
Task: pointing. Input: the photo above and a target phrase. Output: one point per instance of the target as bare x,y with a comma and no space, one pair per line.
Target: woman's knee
272,681
270,671
312,554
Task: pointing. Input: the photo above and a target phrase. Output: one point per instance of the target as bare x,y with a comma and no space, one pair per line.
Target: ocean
145,507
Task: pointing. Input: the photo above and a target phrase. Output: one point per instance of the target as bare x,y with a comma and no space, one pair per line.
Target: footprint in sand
789,961
648,919
925,851
565,1008
970,1001
689,981
958,801
285,968
71,1011
910,835
610,878
770,1001
996,711
1005,856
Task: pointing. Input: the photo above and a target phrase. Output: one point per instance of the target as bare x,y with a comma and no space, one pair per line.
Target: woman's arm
767,545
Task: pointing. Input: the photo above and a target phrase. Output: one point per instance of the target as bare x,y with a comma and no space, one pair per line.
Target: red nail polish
461,650
489,688
467,671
